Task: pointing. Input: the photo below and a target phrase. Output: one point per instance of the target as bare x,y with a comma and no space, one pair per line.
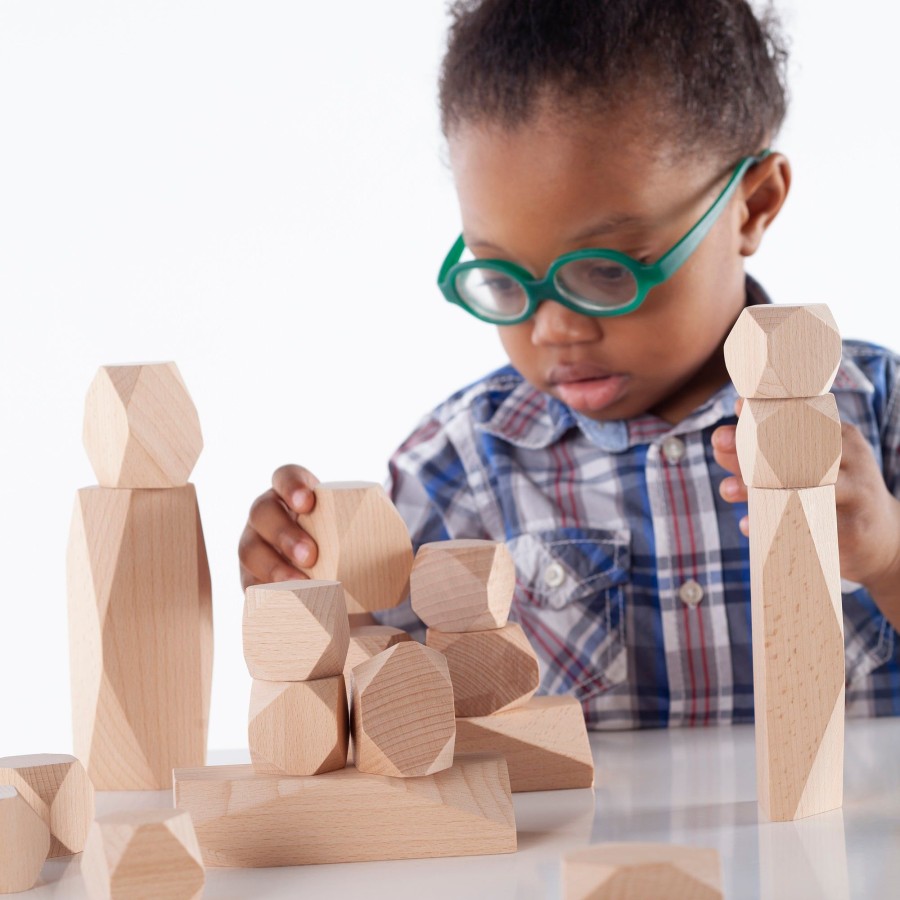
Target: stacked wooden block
783,360
463,591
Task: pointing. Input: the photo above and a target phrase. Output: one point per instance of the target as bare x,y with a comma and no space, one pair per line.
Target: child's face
531,194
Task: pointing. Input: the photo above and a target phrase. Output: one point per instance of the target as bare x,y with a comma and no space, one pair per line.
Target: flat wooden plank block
249,820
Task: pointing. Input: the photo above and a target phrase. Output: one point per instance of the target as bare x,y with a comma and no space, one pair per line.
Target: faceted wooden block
490,670
363,543
642,872
403,720
783,351
792,443
463,585
141,428
798,651
295,630
58,788
141,635
298,727
367,641
24,842
140,854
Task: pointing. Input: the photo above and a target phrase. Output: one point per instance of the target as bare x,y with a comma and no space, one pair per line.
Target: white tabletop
681,786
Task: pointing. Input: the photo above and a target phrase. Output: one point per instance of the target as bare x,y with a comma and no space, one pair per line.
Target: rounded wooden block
24,842
490,670
143,853
295,630
463,585
792,443
403,718
783,351
141,429
65,791
298,727
363,543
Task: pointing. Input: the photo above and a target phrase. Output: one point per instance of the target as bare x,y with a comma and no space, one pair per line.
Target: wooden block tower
463,590
783,360
140,605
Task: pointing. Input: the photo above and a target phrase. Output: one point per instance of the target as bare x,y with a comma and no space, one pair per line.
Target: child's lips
586,387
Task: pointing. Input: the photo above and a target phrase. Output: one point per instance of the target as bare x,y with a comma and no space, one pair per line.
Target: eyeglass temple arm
452,258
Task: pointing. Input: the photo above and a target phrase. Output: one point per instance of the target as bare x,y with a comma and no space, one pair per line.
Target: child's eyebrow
608,225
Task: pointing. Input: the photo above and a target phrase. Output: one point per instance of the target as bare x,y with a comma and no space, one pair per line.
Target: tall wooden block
642,872
141,637
363,543
403,720
463,585
794,443
141,429
298,727
245,819
783,351
140,854
545,743
24,842
58,788
798,651
491,670
295,630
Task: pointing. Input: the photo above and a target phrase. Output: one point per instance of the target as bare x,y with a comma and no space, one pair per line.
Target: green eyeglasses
595,282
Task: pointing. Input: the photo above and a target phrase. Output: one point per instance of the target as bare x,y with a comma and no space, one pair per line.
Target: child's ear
764,189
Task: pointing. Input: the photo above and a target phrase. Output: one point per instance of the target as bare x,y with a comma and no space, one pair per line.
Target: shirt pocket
571,588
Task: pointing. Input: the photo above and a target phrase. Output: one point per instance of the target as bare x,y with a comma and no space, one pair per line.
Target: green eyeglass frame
646,276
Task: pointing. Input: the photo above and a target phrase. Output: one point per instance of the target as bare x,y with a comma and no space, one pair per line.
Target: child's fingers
294,485
260,564
277,527
725,449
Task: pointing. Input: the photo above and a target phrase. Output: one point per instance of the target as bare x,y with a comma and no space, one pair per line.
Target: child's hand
273,544
868,516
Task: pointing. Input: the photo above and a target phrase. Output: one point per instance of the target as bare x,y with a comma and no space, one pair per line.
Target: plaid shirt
633,577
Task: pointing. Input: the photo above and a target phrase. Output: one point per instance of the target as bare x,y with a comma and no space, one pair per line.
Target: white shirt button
554,575
673,449
690,592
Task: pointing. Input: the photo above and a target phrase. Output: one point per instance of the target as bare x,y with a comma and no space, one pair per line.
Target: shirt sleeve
890,432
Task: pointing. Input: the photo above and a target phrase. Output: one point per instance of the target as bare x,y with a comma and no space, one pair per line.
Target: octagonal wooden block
363,543
141,429
463,585
367,641
490,670
298,727
24,842
783,351
403,719
792,443
295,630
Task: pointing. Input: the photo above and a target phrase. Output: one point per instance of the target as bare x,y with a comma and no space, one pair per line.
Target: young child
601,455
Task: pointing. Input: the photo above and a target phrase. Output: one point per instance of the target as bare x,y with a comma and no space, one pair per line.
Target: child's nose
556,324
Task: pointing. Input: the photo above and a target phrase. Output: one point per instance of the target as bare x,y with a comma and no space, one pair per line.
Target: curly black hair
712,71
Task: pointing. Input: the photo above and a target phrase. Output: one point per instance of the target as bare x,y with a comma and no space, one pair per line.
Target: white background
257,191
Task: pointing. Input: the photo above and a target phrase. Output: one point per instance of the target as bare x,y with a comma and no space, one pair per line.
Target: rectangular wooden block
545,743
250,820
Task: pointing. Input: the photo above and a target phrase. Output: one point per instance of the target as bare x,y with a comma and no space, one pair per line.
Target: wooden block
249,820
783,351
140,854
141,635
463,585
642,872
403,721
793,443
491,670
295,630
141,429
298,727
58,788
798,651
363,543
24,842
545,743
367,641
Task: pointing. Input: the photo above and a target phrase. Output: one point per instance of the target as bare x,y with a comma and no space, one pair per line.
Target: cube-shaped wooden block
298,727
793,443
403,719
24,842
463,585
295,630
490,670
783,351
